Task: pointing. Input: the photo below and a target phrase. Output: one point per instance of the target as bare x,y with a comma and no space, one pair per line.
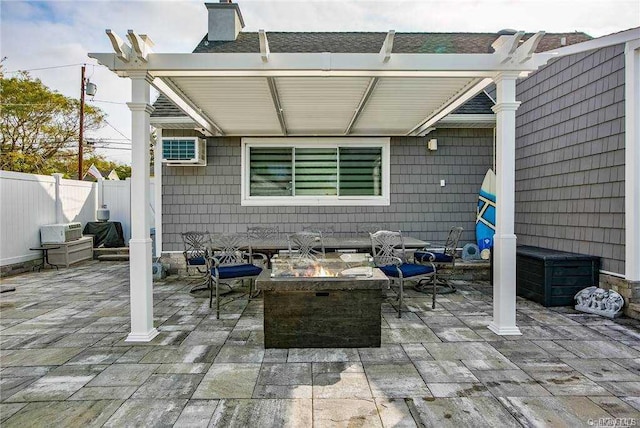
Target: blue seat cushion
238,271
408,270
423,256
197,261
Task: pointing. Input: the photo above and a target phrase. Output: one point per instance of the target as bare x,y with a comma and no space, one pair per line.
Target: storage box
552,278
71,252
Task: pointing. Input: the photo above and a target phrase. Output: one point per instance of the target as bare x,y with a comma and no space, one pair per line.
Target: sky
52,38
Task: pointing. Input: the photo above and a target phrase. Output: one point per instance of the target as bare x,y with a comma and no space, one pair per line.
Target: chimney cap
226,4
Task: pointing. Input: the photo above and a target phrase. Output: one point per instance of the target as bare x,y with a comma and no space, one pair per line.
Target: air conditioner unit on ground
184,151
59,233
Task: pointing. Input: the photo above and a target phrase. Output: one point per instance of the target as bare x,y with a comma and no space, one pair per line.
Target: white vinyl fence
28,201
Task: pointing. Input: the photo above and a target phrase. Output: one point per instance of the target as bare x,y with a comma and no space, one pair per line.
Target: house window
315,171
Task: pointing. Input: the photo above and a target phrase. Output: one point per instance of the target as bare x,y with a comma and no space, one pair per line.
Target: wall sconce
432,144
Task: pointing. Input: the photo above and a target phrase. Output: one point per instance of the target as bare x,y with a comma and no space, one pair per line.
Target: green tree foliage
68,165
39,127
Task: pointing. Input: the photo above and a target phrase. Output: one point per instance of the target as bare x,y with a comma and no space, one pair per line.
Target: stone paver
463,411
145,413
346,413
228,380
64,361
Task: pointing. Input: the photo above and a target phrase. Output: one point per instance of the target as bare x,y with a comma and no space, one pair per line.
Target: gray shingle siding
209,198
570,156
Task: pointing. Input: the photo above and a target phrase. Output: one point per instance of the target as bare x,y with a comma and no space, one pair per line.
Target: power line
117,130
93,100
45,68
112,148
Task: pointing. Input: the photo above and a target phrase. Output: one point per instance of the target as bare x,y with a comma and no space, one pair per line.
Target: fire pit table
333,302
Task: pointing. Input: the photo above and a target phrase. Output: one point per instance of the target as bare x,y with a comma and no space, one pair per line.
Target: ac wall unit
184,151
60,233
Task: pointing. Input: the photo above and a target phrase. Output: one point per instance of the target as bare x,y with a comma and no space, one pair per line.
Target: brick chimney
225,21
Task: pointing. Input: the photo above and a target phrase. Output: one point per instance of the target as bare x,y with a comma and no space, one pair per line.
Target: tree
69,165
38,126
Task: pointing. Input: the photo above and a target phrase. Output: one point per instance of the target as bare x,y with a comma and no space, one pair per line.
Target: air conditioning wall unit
60,233
184,151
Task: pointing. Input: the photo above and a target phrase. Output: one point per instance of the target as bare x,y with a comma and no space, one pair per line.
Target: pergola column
504,241
157,175
141,283
632,161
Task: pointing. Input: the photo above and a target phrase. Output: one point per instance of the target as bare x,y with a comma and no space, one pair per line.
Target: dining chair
262,232
230,259
326,229
196,247
444,259
389,255
306,244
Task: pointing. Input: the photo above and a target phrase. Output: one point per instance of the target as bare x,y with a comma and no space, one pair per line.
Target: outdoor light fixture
432,144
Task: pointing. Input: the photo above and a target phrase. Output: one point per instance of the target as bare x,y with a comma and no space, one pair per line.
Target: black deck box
552,278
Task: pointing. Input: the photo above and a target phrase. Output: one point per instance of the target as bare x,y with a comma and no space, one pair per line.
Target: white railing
28,201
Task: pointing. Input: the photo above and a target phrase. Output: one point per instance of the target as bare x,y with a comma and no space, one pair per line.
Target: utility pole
81,132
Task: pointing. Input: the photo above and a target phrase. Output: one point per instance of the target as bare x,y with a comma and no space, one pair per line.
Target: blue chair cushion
408,270
423,256
197,261
238,271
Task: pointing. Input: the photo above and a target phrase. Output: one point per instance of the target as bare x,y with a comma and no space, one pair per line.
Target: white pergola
322,94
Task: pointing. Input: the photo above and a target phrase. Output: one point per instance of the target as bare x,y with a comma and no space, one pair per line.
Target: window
315,171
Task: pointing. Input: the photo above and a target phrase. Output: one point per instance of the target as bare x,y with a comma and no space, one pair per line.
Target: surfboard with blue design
486,214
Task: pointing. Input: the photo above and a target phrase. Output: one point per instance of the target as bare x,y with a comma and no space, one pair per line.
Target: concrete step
113,257
102,253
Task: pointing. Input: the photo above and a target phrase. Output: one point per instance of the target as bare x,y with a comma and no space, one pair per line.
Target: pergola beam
277,104
264,46
121,48
363,101
506,46
179,98
320,64
460,98
140,45
387,46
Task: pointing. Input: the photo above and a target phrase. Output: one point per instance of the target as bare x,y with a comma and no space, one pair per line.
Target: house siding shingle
570,156
208,198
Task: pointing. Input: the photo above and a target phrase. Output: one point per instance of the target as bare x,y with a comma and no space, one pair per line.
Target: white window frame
313,142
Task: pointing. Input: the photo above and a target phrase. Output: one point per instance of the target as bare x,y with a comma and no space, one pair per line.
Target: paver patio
64,362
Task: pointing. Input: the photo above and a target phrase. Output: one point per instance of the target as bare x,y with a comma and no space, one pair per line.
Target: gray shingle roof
372,42
480,104
164,107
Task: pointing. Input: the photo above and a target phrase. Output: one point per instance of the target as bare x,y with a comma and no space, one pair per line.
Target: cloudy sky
52,38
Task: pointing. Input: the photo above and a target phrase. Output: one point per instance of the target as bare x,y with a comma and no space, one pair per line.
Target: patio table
330,243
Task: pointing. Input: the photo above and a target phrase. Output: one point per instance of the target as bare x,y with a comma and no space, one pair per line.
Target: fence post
100,192
58,177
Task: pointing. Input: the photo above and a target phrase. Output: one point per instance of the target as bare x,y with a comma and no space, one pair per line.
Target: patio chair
443,259
306,245
196,247
389,256
262,232
366,229
230,260
327,230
